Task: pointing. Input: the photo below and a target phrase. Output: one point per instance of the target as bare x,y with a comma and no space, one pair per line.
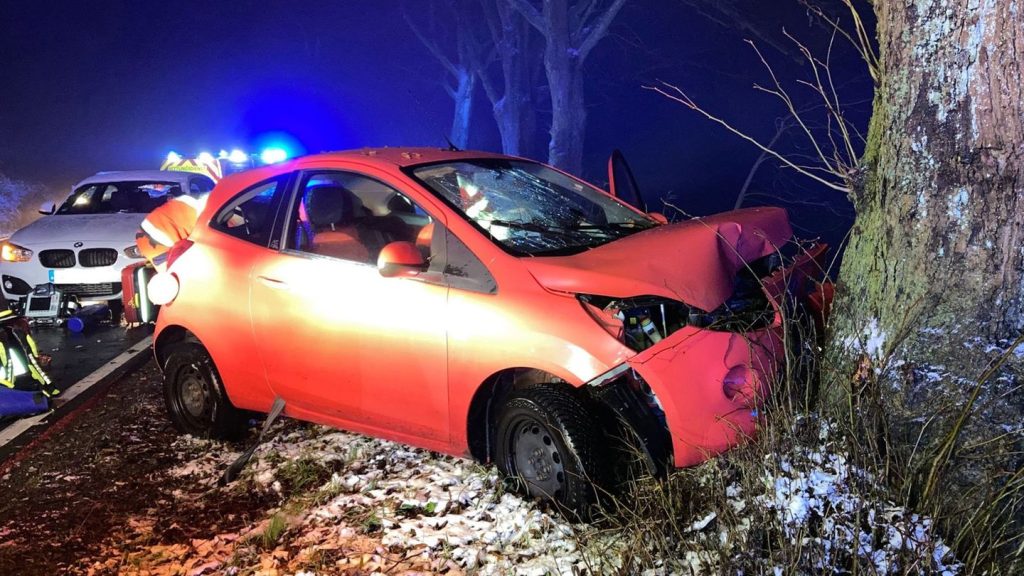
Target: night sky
109,85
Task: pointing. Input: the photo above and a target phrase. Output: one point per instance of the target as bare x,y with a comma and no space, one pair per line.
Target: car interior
352,217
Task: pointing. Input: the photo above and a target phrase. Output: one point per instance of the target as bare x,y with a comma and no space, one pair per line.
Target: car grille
91,257
100,289
57,258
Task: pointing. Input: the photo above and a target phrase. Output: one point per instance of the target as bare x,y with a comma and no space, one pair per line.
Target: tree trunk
568,117
465,87
931,282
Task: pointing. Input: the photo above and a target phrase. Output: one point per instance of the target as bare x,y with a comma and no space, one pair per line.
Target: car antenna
451,147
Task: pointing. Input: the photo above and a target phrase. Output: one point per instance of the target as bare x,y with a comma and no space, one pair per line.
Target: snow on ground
383,505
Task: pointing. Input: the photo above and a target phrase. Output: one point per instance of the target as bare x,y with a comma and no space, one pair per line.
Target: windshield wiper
533,227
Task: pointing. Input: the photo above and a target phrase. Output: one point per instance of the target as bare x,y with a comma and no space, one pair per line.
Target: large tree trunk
931,281
571,30
568,115
465,87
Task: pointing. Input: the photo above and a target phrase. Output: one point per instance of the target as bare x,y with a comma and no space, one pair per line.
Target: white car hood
117,230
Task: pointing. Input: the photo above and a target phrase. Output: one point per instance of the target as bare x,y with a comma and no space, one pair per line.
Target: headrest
328,204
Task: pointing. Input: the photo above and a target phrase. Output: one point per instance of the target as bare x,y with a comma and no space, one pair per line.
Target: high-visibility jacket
19,357
168,224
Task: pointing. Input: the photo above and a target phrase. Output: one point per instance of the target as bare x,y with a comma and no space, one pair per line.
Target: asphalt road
93,358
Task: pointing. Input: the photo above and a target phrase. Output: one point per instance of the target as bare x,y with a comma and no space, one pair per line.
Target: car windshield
115,197
530,209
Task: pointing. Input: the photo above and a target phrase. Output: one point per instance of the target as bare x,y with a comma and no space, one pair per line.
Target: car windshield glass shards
530,209
115,197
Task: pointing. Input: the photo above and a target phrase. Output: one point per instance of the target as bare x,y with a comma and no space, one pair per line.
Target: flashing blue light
173,156
273,155
238,157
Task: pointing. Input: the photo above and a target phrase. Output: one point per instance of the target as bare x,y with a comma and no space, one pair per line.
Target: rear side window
250,215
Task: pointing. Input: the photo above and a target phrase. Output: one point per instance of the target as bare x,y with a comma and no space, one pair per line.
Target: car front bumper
709,386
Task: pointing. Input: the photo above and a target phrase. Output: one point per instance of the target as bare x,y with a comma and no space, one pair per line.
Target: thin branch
430,45
682,98
599,29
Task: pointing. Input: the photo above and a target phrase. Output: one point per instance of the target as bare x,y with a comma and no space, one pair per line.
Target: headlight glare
14,253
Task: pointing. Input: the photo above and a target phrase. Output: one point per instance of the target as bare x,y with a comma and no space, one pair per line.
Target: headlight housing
133,252
643,321
13,253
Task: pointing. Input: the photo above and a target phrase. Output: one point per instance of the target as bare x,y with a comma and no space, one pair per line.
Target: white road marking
16,429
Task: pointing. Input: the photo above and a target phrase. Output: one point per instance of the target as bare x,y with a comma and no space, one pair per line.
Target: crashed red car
478,305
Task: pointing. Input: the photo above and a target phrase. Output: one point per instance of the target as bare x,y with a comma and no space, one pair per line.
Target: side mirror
658,217
401,260
47,208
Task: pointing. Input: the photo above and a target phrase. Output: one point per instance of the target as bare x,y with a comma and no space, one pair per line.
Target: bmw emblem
79,244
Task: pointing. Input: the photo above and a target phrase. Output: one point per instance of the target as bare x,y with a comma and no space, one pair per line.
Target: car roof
139,176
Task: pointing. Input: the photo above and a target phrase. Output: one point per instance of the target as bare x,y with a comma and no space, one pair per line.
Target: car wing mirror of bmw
400,259
47,208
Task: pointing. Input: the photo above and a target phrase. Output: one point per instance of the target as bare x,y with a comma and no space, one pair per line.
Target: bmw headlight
14,253
133,252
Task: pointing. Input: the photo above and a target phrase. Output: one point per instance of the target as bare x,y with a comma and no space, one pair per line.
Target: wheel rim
534,456
193,396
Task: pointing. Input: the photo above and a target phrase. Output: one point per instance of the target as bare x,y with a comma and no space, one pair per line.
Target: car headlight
133,252
14,253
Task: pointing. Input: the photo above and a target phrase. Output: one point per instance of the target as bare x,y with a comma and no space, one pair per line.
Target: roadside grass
826,487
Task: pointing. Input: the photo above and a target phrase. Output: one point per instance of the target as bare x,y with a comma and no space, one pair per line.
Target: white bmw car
82,245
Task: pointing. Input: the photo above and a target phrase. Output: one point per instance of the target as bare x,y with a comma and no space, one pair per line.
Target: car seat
331,212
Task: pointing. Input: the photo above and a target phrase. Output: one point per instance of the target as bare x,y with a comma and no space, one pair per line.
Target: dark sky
106,85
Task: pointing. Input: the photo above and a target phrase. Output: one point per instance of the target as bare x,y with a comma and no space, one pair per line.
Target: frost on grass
815,497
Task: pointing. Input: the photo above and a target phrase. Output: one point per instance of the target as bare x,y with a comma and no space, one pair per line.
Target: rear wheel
195,398
547,440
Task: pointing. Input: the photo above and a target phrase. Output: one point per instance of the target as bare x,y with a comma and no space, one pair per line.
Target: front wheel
548,440
195,398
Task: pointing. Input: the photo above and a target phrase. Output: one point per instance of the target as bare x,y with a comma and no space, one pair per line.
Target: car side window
250,215
464,270
352,217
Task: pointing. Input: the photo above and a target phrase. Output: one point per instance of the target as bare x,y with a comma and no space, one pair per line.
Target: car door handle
273,282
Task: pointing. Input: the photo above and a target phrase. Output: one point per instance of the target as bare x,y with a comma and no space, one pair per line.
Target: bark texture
931,284
937,243
571,29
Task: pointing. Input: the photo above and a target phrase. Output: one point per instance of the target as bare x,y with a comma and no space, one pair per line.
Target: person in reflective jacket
167,225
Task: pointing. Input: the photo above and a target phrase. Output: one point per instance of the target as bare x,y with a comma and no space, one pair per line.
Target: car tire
195,397
547,442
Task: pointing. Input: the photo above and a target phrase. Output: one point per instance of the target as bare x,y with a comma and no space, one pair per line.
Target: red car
478,305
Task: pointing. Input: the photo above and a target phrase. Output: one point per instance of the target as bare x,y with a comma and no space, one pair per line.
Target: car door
340,342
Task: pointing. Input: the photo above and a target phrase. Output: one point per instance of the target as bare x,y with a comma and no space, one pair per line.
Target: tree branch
599,29
679,96
530,13
432,46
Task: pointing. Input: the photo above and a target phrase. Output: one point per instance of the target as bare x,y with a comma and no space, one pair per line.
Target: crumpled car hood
694,261
118,229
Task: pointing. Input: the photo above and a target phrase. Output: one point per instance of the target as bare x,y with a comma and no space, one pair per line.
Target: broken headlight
642,321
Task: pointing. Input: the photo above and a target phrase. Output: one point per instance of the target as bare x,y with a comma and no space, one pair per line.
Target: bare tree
518,64
464,68
571,29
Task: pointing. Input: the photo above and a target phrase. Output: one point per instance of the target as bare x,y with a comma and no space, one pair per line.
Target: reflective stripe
156,234
5,313
32,344
196,204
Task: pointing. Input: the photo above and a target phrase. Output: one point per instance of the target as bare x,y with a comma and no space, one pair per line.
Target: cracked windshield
529,209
